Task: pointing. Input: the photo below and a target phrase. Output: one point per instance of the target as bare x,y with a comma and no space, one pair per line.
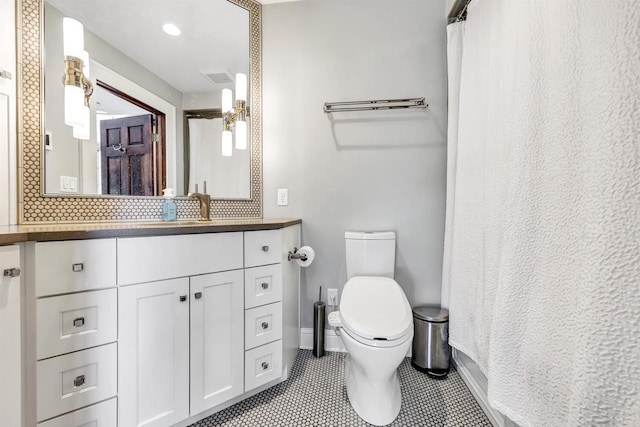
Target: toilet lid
375,308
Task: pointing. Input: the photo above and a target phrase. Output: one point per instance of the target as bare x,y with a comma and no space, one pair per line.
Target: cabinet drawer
104,414
262,285
262,247
74,265
262,325
148,259
69,382
74,322
262,364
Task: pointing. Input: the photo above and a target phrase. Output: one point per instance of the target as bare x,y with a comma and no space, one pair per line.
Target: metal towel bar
376,104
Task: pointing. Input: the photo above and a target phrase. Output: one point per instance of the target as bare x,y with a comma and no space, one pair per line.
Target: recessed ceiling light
171,29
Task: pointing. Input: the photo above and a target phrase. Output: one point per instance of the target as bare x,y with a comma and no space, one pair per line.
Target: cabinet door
217,338
153,353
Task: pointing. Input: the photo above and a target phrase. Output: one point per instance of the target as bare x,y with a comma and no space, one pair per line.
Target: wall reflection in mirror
137,105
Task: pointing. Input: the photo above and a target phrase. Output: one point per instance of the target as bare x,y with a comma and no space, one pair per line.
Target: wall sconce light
234,117
77,86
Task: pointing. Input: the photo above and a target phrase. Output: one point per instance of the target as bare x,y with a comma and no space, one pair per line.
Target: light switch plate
283,197
68,184
48,140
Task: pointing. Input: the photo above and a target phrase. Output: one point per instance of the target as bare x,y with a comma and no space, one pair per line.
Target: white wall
380,170
8,148
202,101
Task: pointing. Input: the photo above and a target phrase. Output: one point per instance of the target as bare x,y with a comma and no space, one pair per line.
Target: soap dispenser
169,207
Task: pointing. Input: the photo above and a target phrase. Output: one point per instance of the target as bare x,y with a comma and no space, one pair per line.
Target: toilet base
376,402
371,379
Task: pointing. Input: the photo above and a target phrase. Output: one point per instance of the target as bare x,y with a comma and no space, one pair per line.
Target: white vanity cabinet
263,307
160,330
71,340
180,340
180,347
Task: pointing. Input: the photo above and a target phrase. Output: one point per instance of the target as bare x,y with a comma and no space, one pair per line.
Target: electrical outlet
332,296
283,197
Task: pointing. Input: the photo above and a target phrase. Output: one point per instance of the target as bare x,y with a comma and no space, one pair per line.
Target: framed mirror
152,92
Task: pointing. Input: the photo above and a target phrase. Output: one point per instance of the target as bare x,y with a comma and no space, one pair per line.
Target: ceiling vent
219,77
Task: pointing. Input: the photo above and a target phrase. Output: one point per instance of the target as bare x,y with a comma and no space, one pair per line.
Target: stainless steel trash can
431,351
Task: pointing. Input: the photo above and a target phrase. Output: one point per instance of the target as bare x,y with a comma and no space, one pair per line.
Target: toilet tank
370,253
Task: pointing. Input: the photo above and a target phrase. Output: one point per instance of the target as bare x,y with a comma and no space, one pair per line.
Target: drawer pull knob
78,381
265,365
265,325
198,295
11,272
265,248
265,285
76,268
78,322
183,298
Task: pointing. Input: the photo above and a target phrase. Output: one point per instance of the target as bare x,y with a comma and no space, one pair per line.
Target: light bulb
227,143
83,131
73,105
241,87
241,135
226,100
72,37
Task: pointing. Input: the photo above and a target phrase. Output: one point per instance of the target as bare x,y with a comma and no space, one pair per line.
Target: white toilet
376,325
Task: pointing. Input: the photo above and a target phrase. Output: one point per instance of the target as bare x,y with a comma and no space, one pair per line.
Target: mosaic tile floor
315,395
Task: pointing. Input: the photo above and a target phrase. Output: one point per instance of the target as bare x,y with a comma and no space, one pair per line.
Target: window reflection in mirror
144,80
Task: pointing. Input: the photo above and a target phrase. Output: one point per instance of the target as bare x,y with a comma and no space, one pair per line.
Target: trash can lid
431,313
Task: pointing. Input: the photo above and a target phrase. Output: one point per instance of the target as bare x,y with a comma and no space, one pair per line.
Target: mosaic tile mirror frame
36,207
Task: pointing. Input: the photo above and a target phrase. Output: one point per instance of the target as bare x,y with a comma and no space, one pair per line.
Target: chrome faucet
204,200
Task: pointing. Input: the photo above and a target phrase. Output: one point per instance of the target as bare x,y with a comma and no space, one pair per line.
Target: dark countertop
77,231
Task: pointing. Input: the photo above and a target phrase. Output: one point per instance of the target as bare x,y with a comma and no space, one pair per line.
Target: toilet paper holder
296,255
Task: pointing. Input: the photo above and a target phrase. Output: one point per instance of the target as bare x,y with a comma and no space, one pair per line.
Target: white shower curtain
455,33
544,267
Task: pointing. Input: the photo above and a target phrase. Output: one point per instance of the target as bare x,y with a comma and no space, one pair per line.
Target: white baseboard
332,342
470,374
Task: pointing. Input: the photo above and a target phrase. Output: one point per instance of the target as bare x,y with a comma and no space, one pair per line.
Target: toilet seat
378,343
374,311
